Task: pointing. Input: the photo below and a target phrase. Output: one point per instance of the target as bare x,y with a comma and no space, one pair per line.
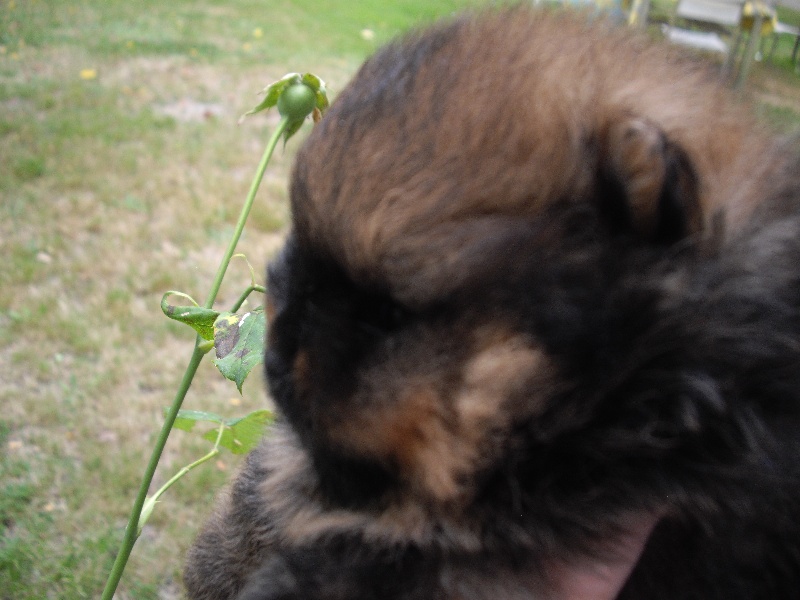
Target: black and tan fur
543,279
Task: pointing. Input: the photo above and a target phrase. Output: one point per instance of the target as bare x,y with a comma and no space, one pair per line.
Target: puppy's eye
380,314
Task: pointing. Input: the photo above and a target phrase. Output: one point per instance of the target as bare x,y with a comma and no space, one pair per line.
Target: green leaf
293,128
198,318
187,419
312,81
239,344
321,93
272,92
239,435
243,434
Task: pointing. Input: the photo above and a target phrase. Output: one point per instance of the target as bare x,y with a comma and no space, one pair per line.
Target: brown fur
570,83
541,286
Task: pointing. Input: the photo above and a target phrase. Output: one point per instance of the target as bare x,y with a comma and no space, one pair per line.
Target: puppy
535,334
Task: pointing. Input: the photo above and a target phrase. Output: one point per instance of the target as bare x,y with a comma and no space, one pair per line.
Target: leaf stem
151,501
132,529
253,288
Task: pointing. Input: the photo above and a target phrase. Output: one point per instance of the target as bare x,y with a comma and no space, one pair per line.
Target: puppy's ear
648,185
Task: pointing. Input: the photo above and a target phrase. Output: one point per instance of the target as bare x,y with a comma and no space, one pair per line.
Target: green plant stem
248,203
132,529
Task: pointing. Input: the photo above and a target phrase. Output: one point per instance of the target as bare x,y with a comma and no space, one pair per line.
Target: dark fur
544,276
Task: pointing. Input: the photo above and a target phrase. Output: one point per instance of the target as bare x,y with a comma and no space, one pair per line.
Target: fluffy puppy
535,334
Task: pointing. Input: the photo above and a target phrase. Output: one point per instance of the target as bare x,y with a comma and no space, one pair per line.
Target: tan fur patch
301,372
438,440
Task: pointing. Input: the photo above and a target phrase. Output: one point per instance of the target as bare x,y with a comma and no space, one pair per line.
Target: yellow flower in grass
88,74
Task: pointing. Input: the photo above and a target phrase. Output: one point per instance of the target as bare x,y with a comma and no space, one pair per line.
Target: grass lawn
122,172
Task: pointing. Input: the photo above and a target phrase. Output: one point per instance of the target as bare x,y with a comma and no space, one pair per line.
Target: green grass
783,118
123,173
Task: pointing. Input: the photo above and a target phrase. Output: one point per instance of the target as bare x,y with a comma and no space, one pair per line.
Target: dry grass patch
125,174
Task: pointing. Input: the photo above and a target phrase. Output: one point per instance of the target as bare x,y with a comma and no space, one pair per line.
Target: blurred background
122,173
